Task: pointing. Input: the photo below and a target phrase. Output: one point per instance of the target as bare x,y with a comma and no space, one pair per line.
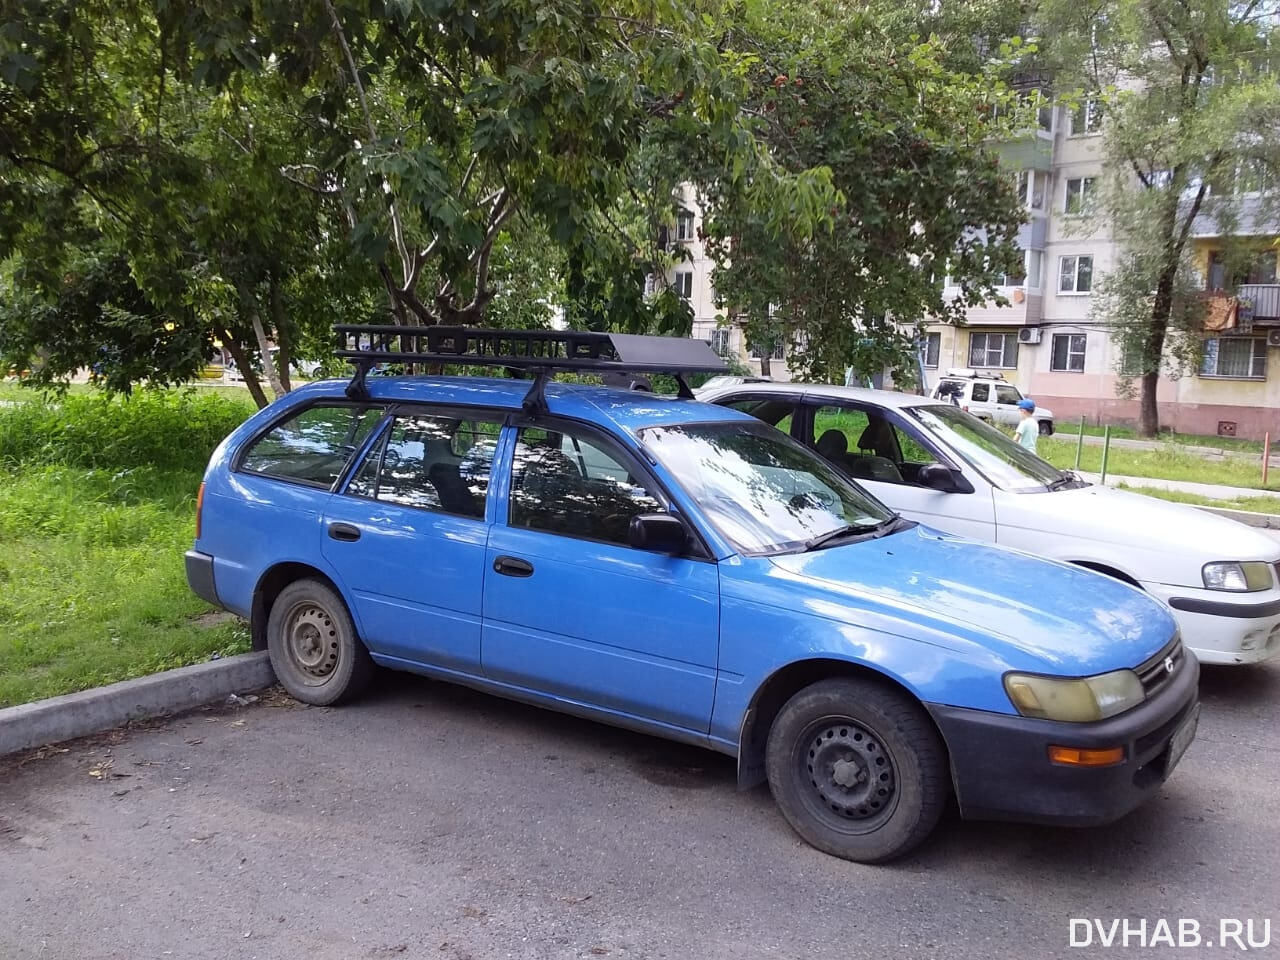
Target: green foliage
905,139
158,430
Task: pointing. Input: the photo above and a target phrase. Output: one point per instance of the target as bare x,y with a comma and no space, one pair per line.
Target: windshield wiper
1067,478
886,526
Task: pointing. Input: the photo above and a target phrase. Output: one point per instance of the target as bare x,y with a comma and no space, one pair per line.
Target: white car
988,396
933,462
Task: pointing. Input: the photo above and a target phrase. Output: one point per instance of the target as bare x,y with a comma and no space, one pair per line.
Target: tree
1192,123
921,196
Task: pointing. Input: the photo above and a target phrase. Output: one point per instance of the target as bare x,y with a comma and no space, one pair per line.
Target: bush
167,430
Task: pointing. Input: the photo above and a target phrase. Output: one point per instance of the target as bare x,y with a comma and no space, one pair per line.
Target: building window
684,284
932,345
1033,188
1075,275
1086,118
993,350
1035,268
1238,358
1079,192
758,351
722,341
684,225
1068,353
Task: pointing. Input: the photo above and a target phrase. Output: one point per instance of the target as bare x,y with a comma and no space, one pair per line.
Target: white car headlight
1075,700
1244,577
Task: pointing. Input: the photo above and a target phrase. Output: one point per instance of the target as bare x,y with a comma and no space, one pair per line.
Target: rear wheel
1046,428
857,769
313,645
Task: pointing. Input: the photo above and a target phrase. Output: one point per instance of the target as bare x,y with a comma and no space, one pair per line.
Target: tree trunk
285,357
1148,409
765,369
1153,351
241,357
264,349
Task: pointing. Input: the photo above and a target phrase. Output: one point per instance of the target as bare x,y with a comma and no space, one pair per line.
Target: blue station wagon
686,570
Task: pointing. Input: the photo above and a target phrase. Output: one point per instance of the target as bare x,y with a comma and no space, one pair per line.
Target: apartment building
1048,342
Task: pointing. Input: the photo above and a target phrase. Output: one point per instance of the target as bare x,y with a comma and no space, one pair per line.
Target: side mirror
659,532
936,477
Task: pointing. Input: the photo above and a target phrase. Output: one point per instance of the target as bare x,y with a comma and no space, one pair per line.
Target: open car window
1003,462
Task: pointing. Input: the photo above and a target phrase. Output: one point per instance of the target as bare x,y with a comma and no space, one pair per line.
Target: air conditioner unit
1273,337
1029,335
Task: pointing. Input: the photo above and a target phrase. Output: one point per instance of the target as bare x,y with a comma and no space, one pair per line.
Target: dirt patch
214,618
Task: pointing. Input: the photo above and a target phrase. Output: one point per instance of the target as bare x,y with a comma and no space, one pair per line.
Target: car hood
1177,539
1027,612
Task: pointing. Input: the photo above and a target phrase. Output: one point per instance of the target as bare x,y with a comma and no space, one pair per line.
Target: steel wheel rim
847,775
311,642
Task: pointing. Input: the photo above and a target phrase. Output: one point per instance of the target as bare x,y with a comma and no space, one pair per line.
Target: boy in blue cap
1028,429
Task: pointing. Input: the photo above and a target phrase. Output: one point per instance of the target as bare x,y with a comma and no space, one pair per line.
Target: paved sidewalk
1214,491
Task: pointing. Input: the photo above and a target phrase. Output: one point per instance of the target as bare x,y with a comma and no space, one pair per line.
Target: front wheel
313,645
857,769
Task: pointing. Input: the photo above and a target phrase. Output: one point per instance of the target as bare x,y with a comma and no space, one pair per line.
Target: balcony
1265,298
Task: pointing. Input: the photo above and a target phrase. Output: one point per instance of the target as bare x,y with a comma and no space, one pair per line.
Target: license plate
1182,738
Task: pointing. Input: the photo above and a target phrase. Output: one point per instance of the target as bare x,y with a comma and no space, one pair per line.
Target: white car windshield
1003,462
763,491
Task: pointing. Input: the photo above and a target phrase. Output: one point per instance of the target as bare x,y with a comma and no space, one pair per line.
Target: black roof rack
538,352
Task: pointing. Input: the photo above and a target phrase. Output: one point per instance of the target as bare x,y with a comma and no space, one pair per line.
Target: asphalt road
430,821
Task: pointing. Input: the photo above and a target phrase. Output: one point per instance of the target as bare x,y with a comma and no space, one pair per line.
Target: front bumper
1224,627
200,576
1001,769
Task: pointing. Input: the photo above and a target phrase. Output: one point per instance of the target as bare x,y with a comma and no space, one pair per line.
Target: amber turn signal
1080,757
199,507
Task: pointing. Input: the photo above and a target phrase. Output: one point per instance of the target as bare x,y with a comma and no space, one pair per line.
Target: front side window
1007,394
1079,193
314,446
1239,358
431,462
993,350
981,393
576,486
1068,353
1075,275
867,445
1003,462
763,491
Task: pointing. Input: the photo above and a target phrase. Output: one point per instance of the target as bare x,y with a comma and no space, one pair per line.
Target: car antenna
539,353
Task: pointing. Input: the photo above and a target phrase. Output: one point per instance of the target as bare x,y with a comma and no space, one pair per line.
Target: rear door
1006,406
571,610
981,400
407,535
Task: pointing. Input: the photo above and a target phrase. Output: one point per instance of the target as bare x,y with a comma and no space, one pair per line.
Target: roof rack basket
538,352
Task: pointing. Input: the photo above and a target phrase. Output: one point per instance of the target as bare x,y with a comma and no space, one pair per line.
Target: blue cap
1026,403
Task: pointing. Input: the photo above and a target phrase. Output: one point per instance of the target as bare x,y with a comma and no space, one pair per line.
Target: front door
407,537
571,610
883,452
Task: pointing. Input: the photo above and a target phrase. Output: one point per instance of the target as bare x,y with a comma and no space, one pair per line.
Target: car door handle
513,567
344,532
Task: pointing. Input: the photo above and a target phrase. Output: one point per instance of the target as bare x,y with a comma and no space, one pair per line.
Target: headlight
1239,577
1077,700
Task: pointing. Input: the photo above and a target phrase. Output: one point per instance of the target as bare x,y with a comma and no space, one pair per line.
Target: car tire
857,769
1046,428
314,649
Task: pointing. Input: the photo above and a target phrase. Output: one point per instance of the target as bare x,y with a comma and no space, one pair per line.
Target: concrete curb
1269,521
89,711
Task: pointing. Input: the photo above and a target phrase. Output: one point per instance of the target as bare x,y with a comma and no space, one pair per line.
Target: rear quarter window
314,446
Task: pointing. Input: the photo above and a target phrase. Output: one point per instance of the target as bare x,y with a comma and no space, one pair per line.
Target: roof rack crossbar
540,352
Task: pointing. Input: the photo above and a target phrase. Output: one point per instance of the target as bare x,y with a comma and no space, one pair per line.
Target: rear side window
981,392
314,446
431,462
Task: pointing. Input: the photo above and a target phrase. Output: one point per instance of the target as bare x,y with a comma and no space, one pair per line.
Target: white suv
988,396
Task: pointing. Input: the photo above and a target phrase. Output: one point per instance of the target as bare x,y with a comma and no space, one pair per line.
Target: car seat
878,439
454,492
833,445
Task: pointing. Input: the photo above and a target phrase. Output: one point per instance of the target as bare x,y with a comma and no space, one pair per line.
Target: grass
1166,463
96,509
1233,444
1259,504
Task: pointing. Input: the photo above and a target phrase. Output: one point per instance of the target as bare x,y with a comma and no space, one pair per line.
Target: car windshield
761,489
1003,462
